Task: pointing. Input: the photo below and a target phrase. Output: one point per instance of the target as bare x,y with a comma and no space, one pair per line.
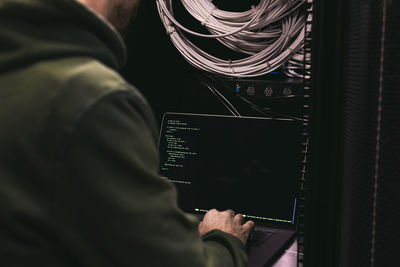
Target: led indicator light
237,88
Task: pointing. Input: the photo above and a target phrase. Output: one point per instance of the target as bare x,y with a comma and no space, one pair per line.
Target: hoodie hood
37,30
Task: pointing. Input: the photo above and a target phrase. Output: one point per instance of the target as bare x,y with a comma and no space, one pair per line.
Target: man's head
118,12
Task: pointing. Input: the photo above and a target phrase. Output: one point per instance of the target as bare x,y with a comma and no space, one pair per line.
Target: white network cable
269,34
297,67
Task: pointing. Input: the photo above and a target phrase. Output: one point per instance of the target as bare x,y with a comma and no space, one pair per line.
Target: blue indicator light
237,88
274,72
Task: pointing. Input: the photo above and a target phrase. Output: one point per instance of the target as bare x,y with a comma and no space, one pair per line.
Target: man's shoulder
62,91
70,86
44,102
81,82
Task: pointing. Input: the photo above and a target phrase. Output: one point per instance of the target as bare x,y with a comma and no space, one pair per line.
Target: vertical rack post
306,130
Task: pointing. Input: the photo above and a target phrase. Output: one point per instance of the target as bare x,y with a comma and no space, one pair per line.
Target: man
79,183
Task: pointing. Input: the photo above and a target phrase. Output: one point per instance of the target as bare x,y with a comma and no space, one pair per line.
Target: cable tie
253,7
208,16
291,51
268,65
171,30
230,66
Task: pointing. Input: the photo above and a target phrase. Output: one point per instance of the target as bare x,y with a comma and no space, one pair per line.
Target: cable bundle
296,67
269,34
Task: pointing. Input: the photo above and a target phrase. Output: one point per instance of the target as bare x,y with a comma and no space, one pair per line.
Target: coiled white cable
269,33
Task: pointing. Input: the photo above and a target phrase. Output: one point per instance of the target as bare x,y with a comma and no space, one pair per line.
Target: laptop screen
250,165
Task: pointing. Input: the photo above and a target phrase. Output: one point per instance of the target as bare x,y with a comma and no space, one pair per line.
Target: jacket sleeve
111,206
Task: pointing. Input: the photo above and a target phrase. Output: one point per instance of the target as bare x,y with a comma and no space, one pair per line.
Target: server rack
172,76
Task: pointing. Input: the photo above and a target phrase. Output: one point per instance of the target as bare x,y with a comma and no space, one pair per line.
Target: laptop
250,165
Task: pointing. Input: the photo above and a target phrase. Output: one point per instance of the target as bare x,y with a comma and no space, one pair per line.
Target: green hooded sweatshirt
79,183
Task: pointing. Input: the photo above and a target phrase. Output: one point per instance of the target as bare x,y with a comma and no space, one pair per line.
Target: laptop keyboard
258,237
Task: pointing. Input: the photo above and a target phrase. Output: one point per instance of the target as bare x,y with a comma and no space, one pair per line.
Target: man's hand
228,222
